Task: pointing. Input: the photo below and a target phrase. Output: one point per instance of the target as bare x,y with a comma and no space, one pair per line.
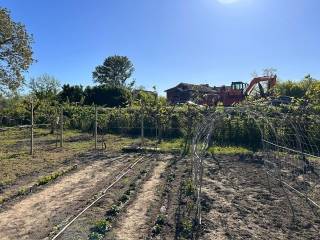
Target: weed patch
229,150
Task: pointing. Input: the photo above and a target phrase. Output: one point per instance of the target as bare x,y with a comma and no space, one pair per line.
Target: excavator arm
271,83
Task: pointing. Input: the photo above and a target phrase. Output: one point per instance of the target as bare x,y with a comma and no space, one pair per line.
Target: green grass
45,179
168,145
229,150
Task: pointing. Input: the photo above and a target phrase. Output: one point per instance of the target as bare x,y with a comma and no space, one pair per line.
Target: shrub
156,229
96,236
189,188
161,219
124,198
113,211
142,172
132,186
102,226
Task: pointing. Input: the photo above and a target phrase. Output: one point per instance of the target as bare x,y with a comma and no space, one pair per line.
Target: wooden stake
31,129
61,127
95,127
142,128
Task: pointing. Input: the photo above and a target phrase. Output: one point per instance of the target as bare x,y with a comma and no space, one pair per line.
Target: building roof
192,87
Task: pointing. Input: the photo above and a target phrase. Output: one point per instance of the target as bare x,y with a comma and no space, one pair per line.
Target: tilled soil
133,224
237,204
36,215
82,227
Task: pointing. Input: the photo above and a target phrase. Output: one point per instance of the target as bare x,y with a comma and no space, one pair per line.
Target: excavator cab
241,86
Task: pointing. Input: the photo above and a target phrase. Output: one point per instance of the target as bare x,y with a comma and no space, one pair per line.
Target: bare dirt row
133,225
131,182
36,215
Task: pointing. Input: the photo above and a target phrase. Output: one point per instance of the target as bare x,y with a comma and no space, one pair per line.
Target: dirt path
133,224
35,216
238,205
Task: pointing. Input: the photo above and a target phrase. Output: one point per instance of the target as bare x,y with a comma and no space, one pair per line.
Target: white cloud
227,1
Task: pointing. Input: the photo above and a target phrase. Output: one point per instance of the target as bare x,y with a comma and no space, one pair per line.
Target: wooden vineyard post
142,128
31,129
61,127
95,127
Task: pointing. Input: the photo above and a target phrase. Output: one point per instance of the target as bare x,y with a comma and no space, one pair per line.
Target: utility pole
31,129
61,127
95,127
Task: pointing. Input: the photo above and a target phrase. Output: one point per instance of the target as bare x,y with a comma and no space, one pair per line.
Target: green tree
72,94
114,71
313,93
296,89
15,52
107,96
44,87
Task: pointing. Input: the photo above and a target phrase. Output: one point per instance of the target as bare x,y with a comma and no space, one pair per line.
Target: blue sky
172,41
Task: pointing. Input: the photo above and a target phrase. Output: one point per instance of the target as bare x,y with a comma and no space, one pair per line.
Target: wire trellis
289,149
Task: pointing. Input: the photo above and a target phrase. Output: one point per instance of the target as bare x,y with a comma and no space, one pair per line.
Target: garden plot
93,221
133,224
36,215
237,204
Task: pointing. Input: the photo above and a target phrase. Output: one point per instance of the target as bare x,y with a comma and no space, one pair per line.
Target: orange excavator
240,90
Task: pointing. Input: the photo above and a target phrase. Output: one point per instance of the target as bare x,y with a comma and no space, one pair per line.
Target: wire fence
47,130
289,153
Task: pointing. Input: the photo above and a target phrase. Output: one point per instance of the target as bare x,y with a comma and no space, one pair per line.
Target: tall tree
107,96
114,72
73,94
44,87
15,52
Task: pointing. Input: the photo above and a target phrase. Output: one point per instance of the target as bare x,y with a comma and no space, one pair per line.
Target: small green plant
186,228
156,229
142,172
161,219
124,198
128,192
171,177
102,226
45,179
113,211
189,188
95,236
23,191
132,186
